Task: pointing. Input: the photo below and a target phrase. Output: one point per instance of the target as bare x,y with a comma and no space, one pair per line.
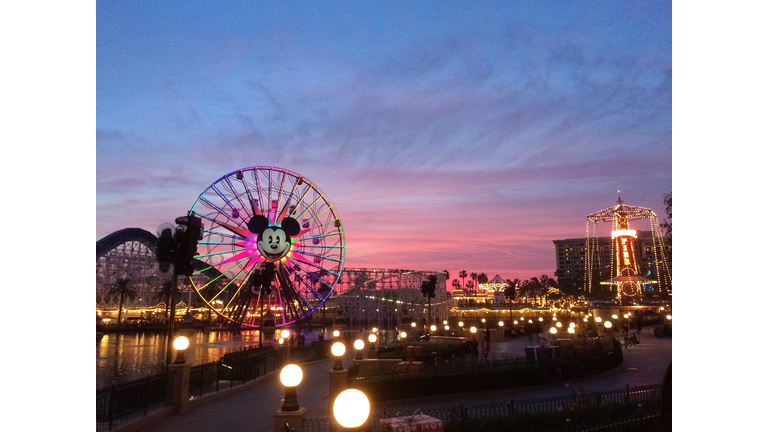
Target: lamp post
359,345
284,334
181,343
177,393
337,377
351,409
290,415
290,376
337,349
372,353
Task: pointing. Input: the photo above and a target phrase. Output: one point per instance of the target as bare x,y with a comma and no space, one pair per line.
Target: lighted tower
623,270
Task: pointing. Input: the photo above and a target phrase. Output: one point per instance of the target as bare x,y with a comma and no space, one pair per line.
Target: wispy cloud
470,145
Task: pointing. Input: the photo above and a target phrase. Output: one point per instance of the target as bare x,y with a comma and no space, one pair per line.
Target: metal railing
123,403
628,409
435,379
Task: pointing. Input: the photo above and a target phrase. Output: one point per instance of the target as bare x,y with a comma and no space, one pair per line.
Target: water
128,356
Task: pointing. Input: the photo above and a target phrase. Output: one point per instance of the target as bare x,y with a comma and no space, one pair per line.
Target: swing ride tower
623,272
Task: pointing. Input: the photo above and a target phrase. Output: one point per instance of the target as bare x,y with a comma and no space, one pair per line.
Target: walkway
252,408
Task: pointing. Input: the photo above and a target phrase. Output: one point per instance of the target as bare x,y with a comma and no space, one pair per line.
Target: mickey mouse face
273,242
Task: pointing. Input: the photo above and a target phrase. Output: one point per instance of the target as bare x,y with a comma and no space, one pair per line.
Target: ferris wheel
277,242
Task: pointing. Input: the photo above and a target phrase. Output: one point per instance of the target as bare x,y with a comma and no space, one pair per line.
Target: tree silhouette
164,294
124,288
462,275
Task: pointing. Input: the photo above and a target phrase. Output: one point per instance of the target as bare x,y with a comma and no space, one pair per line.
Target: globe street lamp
337,350
180,343
359,345
290,376
351,408
372,340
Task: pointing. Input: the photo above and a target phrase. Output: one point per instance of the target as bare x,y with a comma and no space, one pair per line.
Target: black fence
123,403
628,409
438,379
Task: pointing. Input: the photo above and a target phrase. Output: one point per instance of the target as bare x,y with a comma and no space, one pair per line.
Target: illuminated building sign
625,252
624,233
493,286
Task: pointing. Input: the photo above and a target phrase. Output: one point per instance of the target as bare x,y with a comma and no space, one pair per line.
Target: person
486,344
321,336
475,353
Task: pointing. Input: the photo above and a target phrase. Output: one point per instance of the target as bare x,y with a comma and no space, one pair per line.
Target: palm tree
456,284
482,278
473,276
447,275
462,275
123,288
164,294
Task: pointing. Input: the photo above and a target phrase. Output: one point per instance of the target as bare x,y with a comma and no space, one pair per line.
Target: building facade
571,259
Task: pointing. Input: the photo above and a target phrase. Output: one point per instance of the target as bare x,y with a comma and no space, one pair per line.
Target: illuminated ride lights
624,269
276,241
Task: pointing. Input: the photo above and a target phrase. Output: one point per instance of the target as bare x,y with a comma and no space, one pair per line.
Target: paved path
252,408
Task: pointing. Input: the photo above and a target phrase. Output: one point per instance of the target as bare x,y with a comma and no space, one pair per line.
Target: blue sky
449,135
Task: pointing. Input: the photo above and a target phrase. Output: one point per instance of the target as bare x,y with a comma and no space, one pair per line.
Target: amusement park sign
498,287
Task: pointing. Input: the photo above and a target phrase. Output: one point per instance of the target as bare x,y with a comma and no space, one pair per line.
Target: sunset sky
449,135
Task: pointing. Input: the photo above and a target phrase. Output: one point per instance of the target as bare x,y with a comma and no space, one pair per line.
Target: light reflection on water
128,356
